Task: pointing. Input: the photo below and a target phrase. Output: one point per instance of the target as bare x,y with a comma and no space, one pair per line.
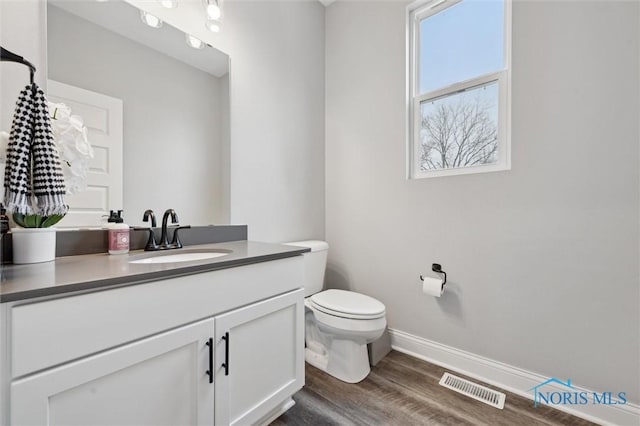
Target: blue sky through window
461,42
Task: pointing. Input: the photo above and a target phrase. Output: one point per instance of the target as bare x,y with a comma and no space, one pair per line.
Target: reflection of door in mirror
175,103
102,115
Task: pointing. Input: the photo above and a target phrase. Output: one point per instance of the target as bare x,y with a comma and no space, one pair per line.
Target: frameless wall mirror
156,103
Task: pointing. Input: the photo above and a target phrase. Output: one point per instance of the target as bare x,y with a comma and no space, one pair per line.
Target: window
459,83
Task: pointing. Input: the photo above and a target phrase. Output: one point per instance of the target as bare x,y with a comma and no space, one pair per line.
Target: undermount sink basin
182,257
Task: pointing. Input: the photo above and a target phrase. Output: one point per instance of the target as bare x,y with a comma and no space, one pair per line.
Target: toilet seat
347,304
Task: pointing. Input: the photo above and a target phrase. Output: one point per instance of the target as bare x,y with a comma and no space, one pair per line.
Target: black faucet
151,242
152,245
164,239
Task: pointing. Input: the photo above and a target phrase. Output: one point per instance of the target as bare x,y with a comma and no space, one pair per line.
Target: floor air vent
473,390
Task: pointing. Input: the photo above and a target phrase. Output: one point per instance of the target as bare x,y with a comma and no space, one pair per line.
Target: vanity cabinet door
259,358
160,380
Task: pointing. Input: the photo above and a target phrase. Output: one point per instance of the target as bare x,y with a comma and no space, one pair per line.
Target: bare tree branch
458,135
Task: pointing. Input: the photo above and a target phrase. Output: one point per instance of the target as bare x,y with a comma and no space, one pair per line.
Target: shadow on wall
336,277
450,303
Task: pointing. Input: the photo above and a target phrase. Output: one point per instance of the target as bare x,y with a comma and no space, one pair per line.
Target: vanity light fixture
151,20
169,4
194,42
213,8
213,25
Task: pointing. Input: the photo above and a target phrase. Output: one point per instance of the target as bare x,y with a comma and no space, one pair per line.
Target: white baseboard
507,377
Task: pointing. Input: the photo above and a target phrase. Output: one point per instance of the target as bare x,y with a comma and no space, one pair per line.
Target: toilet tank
315,263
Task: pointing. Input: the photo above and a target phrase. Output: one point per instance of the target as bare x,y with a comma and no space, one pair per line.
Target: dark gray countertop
99,271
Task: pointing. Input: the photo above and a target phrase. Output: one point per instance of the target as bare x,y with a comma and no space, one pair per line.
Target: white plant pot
33,245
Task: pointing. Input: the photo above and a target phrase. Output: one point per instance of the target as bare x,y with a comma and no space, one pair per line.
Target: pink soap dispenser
118,233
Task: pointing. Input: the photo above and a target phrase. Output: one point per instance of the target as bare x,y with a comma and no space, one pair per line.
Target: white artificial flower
81,143
70,136
60,113
79,168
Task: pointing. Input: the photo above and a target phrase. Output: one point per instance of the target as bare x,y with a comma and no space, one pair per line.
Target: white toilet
338,323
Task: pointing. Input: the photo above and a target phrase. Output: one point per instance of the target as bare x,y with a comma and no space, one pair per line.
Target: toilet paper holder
436,267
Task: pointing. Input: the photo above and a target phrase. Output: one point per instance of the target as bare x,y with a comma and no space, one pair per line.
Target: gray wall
542,259
277,110
173,145
18,18
277,117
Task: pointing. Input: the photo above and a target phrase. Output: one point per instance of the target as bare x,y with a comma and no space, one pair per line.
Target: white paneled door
102,115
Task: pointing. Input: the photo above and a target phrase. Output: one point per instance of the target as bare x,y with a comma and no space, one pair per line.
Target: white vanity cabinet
156,381
259,348
222,347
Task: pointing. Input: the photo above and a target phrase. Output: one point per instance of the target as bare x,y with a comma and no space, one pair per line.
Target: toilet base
349,361
317,360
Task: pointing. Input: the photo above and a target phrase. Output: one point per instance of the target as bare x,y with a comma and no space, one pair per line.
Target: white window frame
416,12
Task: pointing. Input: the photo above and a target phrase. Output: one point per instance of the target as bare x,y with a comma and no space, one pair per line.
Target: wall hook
7,55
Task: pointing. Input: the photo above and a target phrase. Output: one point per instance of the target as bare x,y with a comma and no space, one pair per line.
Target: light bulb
194,42
213,25
150,20
213,11
169,4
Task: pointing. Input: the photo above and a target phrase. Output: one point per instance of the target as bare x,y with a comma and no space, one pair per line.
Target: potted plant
34,240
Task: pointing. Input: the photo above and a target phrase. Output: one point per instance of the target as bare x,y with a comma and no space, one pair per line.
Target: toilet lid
348,304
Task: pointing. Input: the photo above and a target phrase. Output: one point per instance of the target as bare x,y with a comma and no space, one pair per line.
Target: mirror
174,124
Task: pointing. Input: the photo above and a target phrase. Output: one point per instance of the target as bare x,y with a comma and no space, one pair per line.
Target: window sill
461,171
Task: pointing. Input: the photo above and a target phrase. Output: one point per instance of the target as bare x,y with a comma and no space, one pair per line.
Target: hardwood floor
402,390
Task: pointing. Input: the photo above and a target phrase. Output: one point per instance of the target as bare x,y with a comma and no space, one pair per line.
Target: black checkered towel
31,148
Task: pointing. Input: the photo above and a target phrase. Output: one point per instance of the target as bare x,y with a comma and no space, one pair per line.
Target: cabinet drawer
52,332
